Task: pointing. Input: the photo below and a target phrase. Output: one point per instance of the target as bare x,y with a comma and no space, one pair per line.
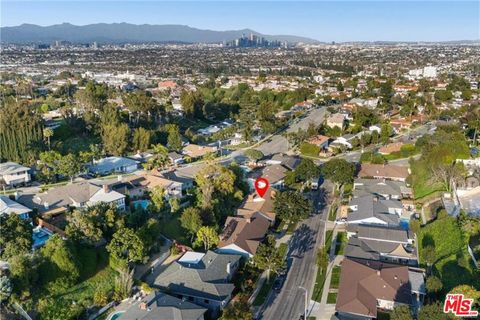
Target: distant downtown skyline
321,20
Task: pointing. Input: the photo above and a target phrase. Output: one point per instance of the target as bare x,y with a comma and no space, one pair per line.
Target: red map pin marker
261,185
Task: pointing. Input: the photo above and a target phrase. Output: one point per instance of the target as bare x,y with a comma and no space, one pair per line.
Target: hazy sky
321,20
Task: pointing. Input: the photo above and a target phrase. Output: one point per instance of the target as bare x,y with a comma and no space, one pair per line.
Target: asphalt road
289,303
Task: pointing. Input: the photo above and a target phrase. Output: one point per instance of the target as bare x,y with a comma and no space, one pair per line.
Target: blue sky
321,20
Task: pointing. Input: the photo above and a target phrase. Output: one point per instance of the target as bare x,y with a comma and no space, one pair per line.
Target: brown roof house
391,147
242,236
254,204
196,151
384,171
366,288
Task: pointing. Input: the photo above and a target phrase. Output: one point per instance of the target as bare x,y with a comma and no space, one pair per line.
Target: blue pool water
141,203
39,237
404,224
116,315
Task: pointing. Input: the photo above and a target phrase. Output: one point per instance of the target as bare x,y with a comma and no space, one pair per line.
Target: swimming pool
40,236
405,224
116,315
141,203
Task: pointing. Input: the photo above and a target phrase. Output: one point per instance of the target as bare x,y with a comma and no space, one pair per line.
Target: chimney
378,273
17,194
250,197
46,205
105,188
229,268
142,306
119,178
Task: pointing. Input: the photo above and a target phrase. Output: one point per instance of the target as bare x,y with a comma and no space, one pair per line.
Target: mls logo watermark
459,306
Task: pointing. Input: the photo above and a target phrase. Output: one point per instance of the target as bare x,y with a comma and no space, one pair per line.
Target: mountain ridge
122,32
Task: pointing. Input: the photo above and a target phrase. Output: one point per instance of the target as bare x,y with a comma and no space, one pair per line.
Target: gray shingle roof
365,187
207,279
161,306
11,167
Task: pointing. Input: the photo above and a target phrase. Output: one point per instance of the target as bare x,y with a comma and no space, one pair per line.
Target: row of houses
380,270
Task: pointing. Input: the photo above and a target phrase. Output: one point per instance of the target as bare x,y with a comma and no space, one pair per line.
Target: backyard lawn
335,280
172,229
422,186
341,243
332,298
321,274
446,237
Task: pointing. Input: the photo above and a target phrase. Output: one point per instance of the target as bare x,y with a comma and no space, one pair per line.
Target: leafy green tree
339,171
237,310
191,221
434,284
141,139
84,226
58,308
385,133
61,260
292,206
433,312
306,170
5,288
268,257
468,291
160,158
69,166
24,273
401,312
192,103
47,134
123,284
115,139
21,135
127,246
15,236
254,154
157,196
206,237
429,255
149,233
174,140
214,178
141,106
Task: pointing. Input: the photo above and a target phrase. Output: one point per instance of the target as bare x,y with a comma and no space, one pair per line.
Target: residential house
179,176
237,139
372,210
377,243
366,288
111,165
78,195
289,162
8,206
167,85
386,189
335,120
384,171
242,236
13,174
203,279
275,174
319,140
161,306
391,147
254,204
195,151
175,158
141,156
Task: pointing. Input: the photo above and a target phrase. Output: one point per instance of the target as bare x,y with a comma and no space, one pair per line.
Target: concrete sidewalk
324,310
